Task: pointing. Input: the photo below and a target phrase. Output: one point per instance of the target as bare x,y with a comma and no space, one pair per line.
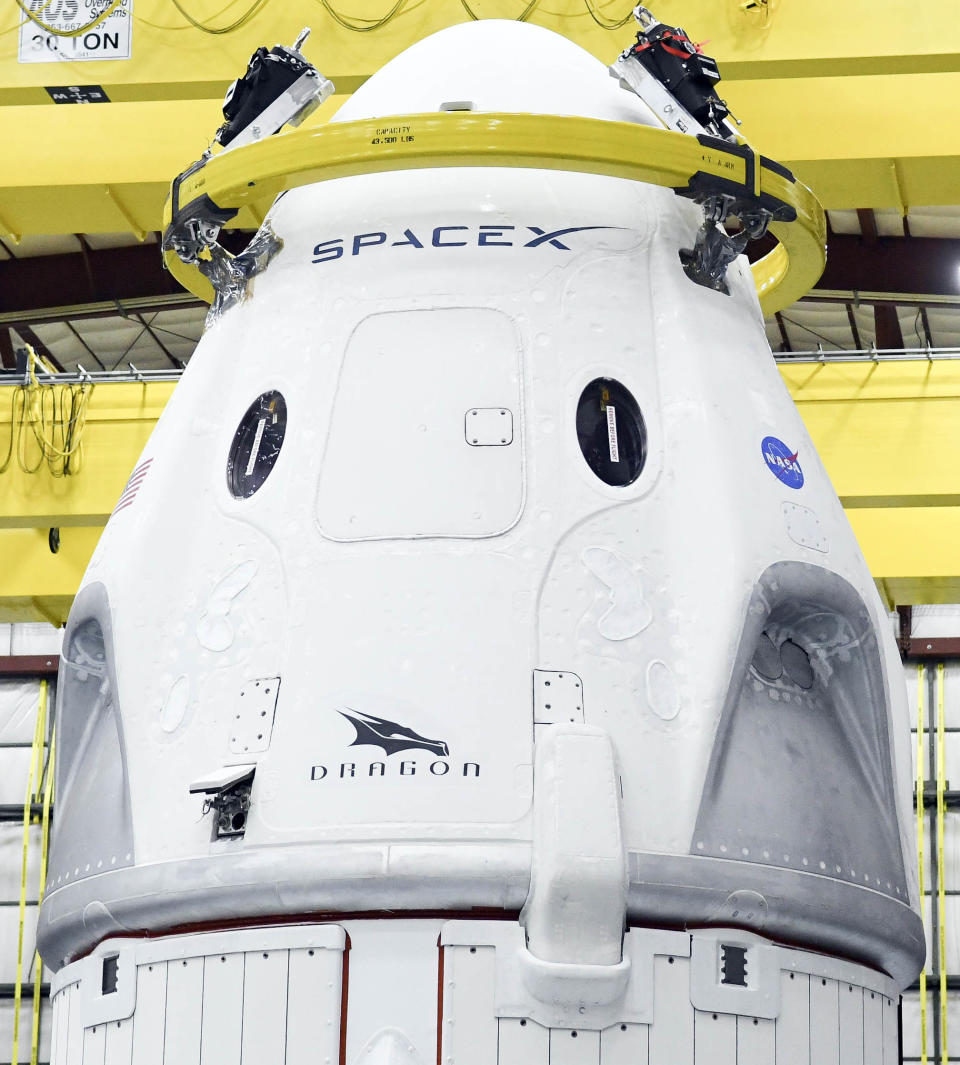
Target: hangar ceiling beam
886,326
8,359
911,265
70,278
103,309
77,279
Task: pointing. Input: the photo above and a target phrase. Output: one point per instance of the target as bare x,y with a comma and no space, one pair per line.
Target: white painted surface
891,1046
469,1025
568,1046
671,1034
522,1042
625,1044
851,1024
873,1028
793,1025
223,1005
394,972
756,1041
184,1012
265,1005
313,1035
119,1042
149,1021
824,1021
94,1045
714,1039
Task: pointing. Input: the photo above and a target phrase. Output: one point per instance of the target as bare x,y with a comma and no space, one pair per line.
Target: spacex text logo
484,236
391,738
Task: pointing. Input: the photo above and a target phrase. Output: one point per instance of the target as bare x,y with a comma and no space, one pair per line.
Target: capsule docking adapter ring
697,153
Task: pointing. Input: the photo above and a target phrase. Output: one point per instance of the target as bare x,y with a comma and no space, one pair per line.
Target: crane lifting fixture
698,154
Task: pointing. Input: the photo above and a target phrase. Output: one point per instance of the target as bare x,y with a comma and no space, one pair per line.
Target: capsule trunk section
479,652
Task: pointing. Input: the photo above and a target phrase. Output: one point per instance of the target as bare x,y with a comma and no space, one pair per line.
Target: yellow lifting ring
257,173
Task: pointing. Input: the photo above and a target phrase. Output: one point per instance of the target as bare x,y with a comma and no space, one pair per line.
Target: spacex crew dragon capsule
478,666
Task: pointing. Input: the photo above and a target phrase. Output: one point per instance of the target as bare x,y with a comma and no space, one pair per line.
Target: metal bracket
714,250
228,794
195,226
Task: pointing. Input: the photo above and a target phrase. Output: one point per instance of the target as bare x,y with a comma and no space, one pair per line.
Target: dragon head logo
389,736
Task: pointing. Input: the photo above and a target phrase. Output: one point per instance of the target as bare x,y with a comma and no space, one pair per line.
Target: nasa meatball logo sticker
782,462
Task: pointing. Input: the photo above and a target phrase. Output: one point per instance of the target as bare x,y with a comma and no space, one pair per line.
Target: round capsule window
611,432
256,444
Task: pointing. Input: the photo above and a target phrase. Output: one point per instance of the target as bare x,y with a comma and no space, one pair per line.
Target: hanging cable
11,29
602,20
169,29
362,25
921,857
54,416
254,9
107,11
941,888
522,17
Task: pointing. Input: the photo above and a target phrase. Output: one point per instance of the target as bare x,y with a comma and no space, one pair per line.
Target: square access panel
397,462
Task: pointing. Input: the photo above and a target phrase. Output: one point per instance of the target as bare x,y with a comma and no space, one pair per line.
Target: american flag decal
129,493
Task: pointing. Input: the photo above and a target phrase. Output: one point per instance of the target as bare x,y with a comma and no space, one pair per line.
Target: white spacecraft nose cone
495,65
389,1047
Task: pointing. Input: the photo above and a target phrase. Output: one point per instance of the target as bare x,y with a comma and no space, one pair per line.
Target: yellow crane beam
120,418
35,584
885,431
835,92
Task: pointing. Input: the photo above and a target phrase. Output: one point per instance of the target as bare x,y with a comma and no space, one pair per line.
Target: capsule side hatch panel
399,463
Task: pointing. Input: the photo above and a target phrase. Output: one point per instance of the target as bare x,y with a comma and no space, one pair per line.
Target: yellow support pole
36,766
921,858
941,889
44,844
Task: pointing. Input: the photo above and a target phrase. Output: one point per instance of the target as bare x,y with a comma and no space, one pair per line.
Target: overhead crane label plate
77,94
45,38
